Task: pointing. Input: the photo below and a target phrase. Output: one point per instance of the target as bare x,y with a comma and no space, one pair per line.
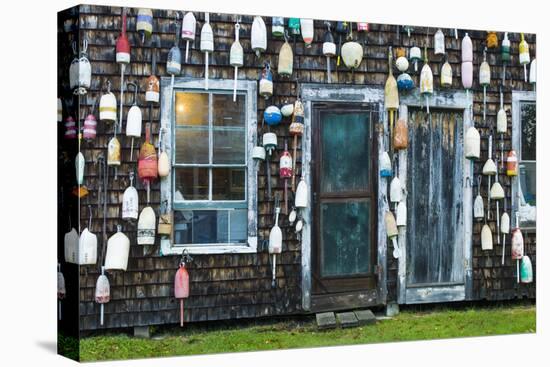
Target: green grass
302,333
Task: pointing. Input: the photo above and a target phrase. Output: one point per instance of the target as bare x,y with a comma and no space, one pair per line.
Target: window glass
192,145
527,166
191,184
229,146
227,113
228,184
191,109
199,227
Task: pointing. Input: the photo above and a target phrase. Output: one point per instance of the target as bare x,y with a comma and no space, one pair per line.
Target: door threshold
344,301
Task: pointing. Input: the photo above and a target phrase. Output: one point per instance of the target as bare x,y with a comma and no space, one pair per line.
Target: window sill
166,248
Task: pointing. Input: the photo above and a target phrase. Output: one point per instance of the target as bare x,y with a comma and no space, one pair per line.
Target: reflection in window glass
527,167
229,146
191,145
191,109
228,184
210,226
191,184
228,113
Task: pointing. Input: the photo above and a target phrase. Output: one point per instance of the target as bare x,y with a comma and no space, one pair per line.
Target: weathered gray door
435,223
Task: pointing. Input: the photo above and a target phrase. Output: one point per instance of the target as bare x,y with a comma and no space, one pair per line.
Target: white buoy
188,29
236,58
207,45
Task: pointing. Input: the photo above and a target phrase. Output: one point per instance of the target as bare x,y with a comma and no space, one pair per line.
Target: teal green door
344,200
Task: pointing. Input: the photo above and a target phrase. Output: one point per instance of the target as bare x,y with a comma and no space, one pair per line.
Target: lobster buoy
152,91
122,44
236,59
258,153
181,287
392,232
484,79
505,55
80,71
163,160
486,238
59,110
446,74
294,26
70,245
287,109
87,244
467,65
266,82
491,40
80,162
133,120
118,249
401,135
517,246
146,226
426,80
277,26
329,49
404,80
352,54
362,27
70,128
61,290
275,243
285,172
526,271
188,30
173,60
391,94
207,45
504,230
479,210
144,23
272,115
102,293
439,42
306,25
512,164
395,190
524,57
385,165
415,54
533,72
285,62
502,118
258,36
108,106
301,200
130,201
472,143
401,214
147,161
113,152
296,129
89,131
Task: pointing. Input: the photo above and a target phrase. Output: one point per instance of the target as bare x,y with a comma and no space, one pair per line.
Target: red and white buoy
181,286
517,245
207,45
102,293
285,172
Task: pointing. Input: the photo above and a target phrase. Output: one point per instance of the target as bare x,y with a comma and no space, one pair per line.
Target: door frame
345,283
364,94
450,100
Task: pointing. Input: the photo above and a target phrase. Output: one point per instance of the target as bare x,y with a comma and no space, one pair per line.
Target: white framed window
212,186
524,142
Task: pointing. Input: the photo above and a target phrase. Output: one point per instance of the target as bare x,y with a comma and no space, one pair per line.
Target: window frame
167,118
518,97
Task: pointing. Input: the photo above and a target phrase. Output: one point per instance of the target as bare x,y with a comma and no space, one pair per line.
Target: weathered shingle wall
231,286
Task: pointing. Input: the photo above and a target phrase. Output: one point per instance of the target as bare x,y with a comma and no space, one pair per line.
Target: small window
213,184
525,144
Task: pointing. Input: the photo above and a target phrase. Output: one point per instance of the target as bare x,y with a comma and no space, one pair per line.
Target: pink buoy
181,284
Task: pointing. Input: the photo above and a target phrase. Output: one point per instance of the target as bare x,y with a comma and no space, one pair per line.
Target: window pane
345,138
191,109
529,131
528,195
192,145
345,231
191,184
210,226
229,146
228,183
228,113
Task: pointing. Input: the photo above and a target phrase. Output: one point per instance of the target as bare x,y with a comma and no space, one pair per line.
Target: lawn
302,332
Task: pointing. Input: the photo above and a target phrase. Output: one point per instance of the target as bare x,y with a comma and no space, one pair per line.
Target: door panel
346,237
344,207
435,245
